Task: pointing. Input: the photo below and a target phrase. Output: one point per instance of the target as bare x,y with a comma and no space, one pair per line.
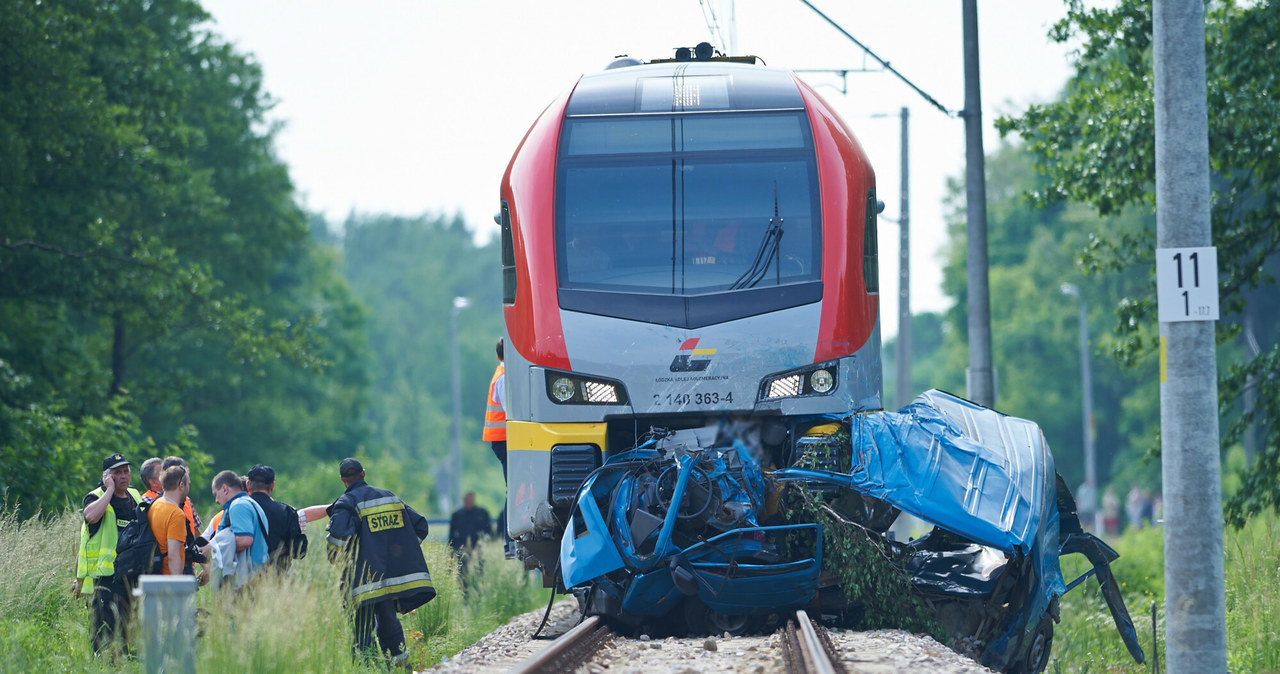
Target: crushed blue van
684,529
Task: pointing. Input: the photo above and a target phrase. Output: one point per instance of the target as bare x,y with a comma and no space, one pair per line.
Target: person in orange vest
495,431
193,562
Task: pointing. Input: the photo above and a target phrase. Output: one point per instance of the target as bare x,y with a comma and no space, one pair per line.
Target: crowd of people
374,535
1141,508
371,532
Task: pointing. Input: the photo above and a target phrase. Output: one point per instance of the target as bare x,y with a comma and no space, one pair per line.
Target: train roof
684,87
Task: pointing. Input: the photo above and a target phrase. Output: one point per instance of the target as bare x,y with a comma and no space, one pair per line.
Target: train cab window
508,255
686,206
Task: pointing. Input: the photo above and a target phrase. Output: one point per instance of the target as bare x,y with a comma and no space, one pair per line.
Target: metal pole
1086,388
903,385
979,378
1195,613
455,444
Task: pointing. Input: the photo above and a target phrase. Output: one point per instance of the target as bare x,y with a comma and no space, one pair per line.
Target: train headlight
562,389
814,380
566,388
785,387
822,381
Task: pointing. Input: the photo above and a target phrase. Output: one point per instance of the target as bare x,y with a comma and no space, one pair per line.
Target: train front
686,245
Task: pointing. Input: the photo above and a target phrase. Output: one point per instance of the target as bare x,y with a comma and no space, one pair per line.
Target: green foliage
52,461
1096,146
864,568
1035,326
408,271
157,278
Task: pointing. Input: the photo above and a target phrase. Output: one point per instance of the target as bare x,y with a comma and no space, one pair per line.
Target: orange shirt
169,523
187,510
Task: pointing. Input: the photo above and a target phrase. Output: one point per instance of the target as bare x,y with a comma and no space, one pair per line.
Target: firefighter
379,539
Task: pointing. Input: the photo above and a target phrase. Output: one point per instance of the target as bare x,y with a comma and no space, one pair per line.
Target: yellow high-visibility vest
97,556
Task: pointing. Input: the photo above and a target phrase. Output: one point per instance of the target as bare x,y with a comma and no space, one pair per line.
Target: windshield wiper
766,253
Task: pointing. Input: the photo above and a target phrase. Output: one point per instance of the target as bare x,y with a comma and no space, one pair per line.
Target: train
686,243
693,383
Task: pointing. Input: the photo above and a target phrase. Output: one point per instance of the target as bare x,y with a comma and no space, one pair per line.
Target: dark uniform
112,601
380,538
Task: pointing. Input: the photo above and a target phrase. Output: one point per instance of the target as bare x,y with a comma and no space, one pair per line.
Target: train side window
870,246
508,256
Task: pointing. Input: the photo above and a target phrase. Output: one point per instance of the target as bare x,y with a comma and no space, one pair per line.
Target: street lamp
1086,385
455,446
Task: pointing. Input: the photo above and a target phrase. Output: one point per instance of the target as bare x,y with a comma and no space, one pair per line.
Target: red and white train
685,243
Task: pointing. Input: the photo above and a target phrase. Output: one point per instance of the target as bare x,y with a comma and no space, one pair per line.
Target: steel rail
578,643
814,651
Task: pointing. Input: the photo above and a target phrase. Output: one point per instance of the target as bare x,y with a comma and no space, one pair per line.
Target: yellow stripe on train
537,437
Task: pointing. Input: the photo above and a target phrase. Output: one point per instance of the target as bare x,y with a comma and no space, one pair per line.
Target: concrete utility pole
1195,613
979,378
455,445
903,385
1086,395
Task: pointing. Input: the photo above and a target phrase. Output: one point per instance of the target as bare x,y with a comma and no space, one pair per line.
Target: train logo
686,362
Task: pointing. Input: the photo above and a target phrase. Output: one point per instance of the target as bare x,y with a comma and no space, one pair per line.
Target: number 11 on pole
1187,284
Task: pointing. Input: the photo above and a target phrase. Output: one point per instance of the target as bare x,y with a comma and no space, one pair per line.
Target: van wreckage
724,558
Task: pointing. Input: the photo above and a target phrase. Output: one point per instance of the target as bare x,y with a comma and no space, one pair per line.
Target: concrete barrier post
169,623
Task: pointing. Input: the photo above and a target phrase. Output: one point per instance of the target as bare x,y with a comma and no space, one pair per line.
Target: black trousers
112,603
380,618
500,450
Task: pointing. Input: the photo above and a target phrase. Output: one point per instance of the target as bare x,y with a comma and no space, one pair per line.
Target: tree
1035,333
407,271
154,267
1097,147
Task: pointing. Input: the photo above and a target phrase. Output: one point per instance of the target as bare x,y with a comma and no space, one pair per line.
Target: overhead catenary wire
932,101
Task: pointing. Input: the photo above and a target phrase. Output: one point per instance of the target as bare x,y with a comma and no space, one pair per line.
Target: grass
1087,641
288,623
297,623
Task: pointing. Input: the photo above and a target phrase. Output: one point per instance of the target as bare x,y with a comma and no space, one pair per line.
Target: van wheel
1036,656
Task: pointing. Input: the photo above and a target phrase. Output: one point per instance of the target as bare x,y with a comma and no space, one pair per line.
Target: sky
414,106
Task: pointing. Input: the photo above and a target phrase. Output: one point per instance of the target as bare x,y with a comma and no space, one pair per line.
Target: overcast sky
413,106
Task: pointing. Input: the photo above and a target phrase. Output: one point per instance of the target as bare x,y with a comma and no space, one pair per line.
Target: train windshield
687,204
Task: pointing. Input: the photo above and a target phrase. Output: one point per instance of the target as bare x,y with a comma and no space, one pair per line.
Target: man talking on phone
107,509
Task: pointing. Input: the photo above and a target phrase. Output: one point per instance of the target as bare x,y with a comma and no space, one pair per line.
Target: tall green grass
284,623
1087,641
297,622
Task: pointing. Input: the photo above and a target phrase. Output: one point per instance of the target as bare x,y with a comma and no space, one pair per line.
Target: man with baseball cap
379,538
107,509
285,541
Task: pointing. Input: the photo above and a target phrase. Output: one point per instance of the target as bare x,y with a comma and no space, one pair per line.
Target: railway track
805,648
509,648
572,650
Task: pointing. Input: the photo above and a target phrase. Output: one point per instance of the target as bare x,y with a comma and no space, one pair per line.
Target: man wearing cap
285,541
379,538
107,509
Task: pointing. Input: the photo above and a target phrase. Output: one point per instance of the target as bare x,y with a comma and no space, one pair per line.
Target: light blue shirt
245,518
